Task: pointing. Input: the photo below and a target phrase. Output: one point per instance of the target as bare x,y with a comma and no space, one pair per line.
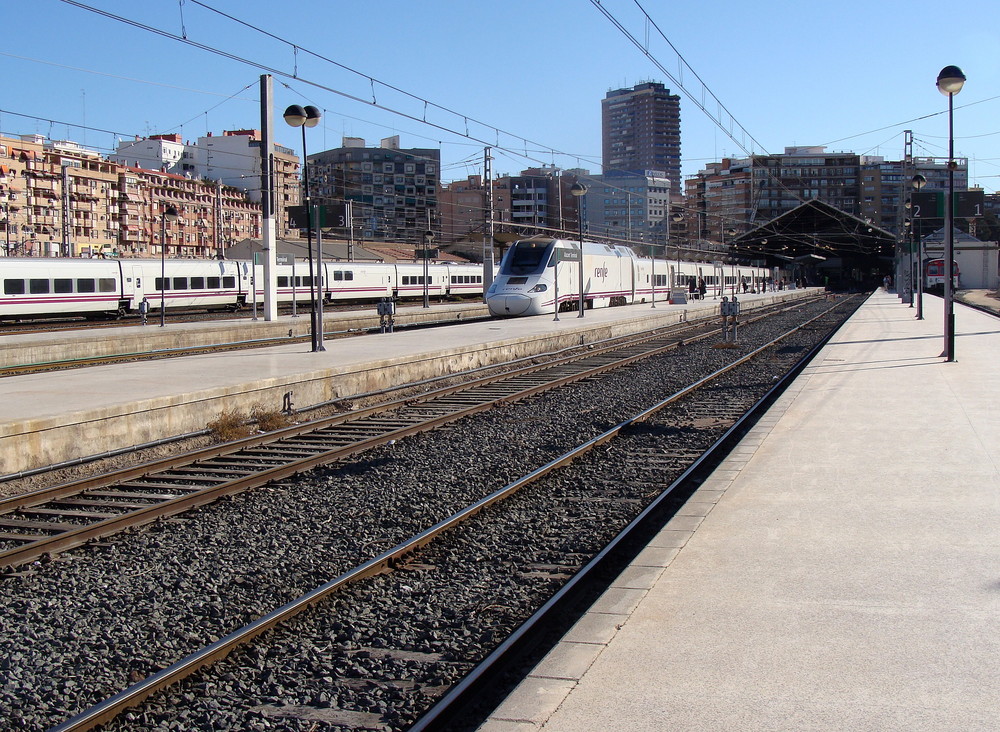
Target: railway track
645,455
41,523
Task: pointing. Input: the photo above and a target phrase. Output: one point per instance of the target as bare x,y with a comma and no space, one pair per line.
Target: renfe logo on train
601,273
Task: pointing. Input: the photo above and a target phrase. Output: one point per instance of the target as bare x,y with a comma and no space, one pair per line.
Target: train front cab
523,286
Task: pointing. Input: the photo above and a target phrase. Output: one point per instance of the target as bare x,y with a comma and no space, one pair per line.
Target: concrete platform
101,340
50,418
841,571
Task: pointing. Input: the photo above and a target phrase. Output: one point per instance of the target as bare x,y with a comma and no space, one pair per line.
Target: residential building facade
232,160
641,130
59,199
394,192
719,201
629,206
462,209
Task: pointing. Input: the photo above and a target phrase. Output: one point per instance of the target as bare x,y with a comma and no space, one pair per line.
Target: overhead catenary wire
466,133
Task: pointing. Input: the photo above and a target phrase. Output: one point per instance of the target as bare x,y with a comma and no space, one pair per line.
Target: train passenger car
370,281
408,281
38,288
934,275
465,280
342,281
188,283
109,288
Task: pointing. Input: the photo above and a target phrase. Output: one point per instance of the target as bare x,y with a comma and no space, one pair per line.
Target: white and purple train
613,275
103,288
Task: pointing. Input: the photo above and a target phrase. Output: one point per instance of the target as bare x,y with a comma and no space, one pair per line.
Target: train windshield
526,257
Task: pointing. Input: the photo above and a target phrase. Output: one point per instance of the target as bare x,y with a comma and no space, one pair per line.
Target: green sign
332,214
930,204
425,253
567,255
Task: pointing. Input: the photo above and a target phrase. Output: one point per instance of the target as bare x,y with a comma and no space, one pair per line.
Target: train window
62,285
338,276
525,259
283,281
197,283
13,287
107,284
349,275
86,285
214,283
229,281
179,283
38,287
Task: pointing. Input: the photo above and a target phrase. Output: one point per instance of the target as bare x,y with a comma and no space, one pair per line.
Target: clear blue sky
851,75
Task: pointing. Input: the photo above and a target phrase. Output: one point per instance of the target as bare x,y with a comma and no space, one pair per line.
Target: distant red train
934,275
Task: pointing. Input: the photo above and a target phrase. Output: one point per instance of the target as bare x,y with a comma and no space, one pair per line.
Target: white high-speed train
613,275
100,288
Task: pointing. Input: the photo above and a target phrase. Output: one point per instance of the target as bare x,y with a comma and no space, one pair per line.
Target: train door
633,265
134,288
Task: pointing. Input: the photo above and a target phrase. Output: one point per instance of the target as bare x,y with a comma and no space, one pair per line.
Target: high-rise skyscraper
641,130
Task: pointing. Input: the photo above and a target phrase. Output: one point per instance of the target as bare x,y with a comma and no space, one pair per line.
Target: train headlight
539,288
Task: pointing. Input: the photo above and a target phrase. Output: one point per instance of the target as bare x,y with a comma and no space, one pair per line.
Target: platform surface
840,571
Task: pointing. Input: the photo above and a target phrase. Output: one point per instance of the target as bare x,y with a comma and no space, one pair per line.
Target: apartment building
719,200
232,159
56,198
211,217
59,199
394,191
629,206
537,200
641,130
462,206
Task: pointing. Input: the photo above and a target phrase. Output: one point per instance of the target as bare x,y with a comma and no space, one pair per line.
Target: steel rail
110,708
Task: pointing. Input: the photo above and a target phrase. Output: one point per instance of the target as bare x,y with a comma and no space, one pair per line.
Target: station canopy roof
816,230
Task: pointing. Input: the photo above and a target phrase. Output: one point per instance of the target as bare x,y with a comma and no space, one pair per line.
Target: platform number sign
328,215
930,204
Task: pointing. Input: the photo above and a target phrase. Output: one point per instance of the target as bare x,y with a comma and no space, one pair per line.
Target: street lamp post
908,241
677,219
918,181
428,238
579,190
169,214
950,82
6,226
303,117
732,233
652,253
